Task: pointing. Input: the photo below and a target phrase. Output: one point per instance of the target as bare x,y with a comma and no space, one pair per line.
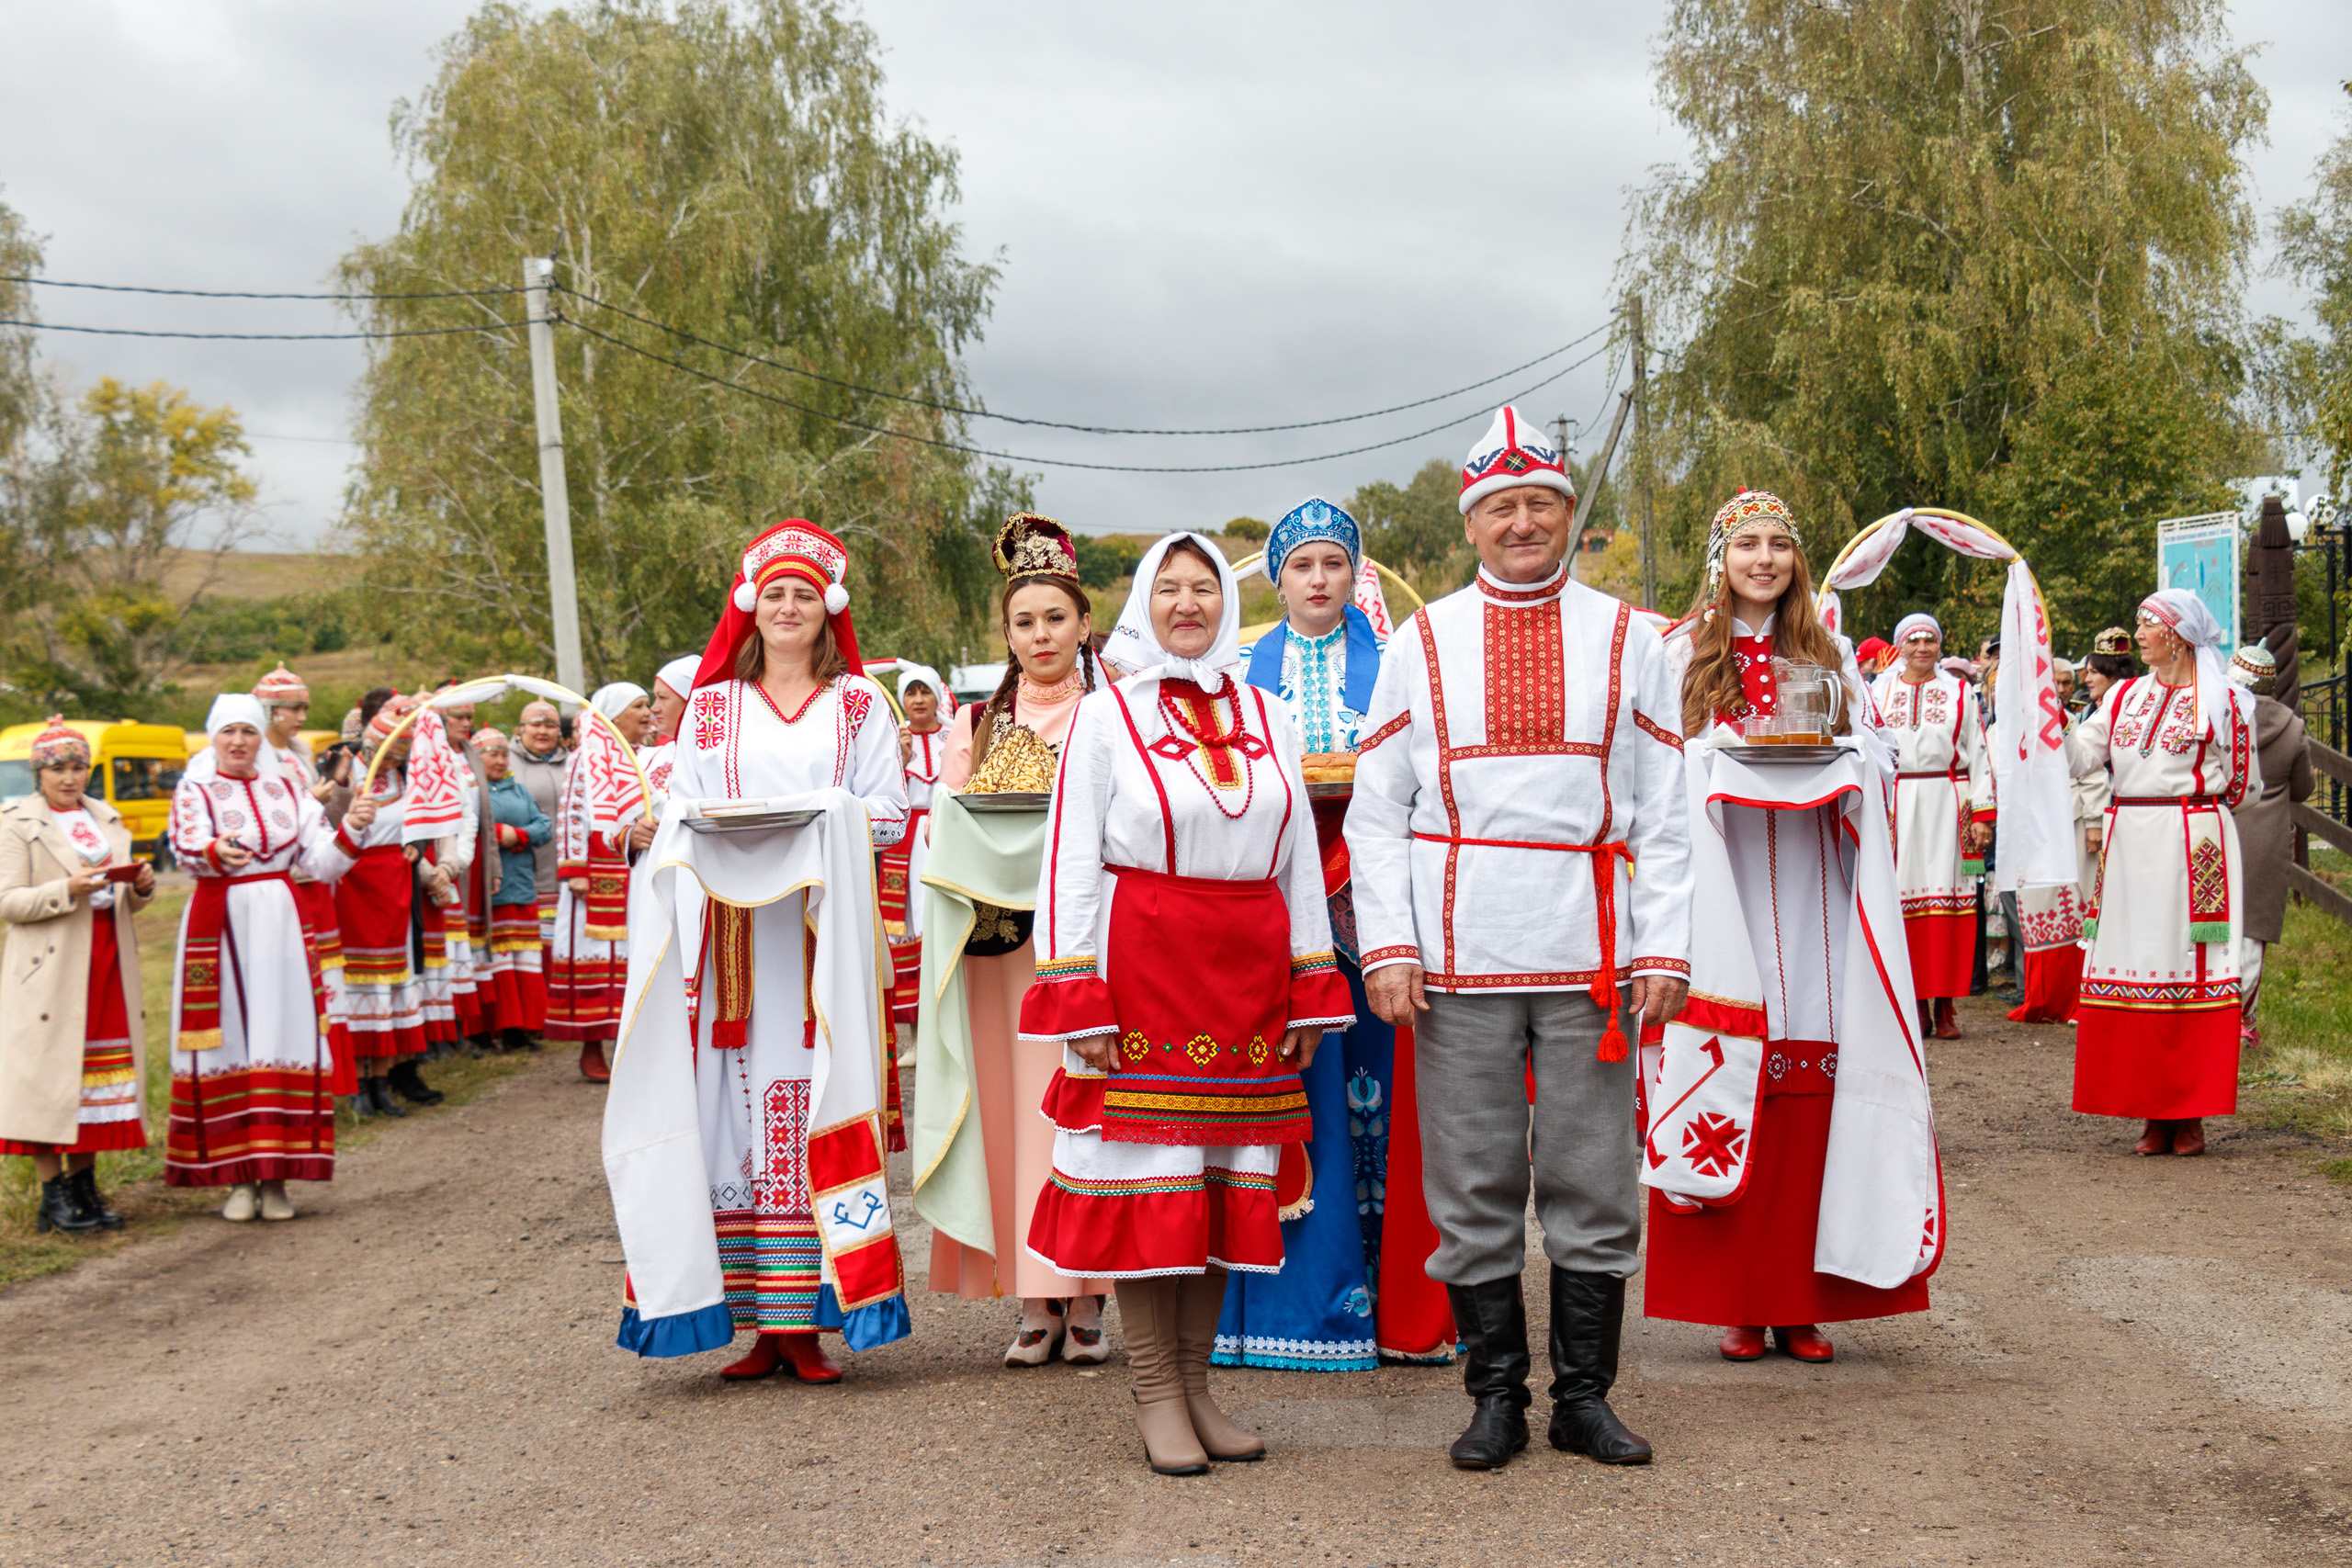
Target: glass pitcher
1811,700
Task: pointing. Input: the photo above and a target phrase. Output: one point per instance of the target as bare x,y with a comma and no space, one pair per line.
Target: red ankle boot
591,1063
2155,1138
2189,1137
1806,1342
767,1359
805,1360
1947,1020
1742,1342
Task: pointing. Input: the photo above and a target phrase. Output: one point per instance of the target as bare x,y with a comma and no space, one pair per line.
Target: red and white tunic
1181,910
1512,724
1943,781
2156,1031
258,1105
748,980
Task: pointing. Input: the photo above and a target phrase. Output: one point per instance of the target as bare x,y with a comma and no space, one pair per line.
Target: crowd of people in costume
1258,987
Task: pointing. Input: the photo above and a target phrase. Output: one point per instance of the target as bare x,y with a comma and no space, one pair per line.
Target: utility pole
1642,456
555,499
1598,477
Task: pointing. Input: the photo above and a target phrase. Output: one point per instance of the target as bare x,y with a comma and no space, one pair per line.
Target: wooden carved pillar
2273,621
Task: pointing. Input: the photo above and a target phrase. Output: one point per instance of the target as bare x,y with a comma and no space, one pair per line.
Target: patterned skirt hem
260,1168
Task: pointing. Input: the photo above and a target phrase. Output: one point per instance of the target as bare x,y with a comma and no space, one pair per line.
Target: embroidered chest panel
1210,737
1526,709
2157,716
257,813
1930,704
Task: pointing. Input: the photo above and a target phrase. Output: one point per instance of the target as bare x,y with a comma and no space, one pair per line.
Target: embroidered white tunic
1943,781
1314,685
1510,724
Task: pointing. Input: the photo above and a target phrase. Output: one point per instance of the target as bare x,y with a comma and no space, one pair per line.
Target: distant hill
259,575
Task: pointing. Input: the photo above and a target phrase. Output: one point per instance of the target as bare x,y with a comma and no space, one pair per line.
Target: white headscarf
678,675
2187,615
231,707
613,700
1918,620
1135,648
911,674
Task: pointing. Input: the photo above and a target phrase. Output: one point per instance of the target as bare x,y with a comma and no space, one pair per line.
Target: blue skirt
1317,1315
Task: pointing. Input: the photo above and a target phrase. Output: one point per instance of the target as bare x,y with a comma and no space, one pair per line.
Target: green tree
730,172
1911,235
1415,529
2315,249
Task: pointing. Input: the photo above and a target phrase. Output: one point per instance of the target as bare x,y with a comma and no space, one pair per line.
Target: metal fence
2322,702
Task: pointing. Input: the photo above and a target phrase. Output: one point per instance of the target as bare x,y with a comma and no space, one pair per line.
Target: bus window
15,779
142,778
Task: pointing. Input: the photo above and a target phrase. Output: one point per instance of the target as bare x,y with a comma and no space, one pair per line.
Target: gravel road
2131,1360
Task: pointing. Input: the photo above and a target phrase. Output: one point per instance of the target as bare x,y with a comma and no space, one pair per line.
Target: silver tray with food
1780,755
751,816
1007,800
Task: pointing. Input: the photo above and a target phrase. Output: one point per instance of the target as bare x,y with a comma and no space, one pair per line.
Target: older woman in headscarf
2156,1028
251,1100
539,760
603,796
73,1032
515,977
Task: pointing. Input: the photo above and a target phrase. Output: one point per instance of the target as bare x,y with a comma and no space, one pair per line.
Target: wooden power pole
555,498
1642,456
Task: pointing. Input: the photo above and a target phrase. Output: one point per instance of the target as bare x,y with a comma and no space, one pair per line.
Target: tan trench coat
45,971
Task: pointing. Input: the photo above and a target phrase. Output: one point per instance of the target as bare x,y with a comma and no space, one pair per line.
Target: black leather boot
61,1208
412,1088
86,1188
1492,1320
378,1096
1588,1314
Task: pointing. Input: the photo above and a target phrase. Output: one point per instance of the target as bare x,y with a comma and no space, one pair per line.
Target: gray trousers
1470,1057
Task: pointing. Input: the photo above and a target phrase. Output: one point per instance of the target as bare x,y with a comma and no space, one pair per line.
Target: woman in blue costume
1317,1313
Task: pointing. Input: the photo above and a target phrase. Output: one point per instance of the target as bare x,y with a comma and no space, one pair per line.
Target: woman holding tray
780,706
1184,959
1046,620
71,1029
1786,970
1338,1305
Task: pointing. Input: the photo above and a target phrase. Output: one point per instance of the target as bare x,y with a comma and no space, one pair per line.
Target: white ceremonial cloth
1525,717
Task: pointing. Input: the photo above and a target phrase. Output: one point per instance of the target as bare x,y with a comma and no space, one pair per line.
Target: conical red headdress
794,547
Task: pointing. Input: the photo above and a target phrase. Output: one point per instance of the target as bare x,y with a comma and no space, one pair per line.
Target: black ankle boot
412,1088
517,1040
1588,1314
1492,1321
378,1094
61,1208
86,1188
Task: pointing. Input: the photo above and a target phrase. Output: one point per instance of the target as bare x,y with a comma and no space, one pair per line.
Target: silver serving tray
1329,789
721,819
1007,800
1782,754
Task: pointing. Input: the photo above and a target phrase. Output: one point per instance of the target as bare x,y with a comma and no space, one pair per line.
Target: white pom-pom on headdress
836,598
744,597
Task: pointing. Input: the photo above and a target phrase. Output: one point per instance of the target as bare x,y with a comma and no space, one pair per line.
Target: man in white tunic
1522,757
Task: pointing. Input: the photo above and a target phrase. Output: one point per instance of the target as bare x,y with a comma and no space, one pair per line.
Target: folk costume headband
1747,512
1311,520
1918,624
1136,648
2114,639
1033,544
794,548
56,745
282,688
485,740
1512,452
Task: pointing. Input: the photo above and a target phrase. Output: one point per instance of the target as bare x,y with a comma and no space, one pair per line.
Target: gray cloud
1211,214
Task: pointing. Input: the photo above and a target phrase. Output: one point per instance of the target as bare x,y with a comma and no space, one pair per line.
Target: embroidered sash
204,945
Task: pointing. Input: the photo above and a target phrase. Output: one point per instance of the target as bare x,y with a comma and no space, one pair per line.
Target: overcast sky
1212,213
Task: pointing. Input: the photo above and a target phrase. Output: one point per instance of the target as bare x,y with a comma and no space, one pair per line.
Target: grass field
132,1180
2300,1078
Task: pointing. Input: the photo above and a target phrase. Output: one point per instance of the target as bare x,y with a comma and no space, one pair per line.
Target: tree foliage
1415,528
1981,254
730,173
2315,249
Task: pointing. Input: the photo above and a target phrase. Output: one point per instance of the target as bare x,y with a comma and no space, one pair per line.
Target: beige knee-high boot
1204,1304
1148,1312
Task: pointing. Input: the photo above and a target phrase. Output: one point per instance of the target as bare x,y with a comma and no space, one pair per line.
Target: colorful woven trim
1079,966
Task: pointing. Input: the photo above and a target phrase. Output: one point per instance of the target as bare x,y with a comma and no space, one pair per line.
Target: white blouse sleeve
1069,885
322,855
874,775
1380,812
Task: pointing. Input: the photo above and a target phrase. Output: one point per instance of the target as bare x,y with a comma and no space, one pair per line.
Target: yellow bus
134,766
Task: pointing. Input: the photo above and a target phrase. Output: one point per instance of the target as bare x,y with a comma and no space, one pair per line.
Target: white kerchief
911,674
1918,620
2186,613
678,675
1136,648
613,700
235,707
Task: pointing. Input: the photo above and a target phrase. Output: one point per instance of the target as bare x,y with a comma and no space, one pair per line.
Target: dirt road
2140,1362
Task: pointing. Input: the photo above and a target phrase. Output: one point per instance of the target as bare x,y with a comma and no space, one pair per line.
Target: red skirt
518,986
2052,977
2175,1065
1751,1262
380,990
108,1067
1943,953
315,903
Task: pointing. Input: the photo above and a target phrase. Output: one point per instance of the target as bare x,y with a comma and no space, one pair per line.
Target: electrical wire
1063,425
236,294
1058,462
265,337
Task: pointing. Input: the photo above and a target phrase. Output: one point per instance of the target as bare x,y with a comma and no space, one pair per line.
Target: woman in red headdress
780,706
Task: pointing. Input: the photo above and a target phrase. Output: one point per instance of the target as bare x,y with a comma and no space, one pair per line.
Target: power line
236,294
1063,425
1062,462
265,337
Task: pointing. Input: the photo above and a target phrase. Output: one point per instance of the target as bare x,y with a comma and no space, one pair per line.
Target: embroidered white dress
754,1098
1315,687
1943,781
258,1105
2156,1031
1514,732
